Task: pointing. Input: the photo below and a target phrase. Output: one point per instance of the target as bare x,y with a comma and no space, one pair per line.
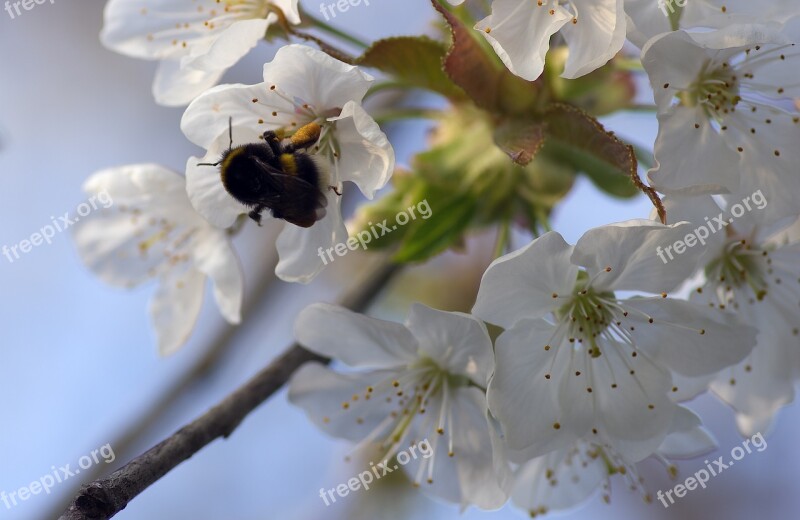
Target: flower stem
502,238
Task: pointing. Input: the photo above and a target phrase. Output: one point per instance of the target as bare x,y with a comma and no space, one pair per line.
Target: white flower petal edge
520,31
197,40
568,477
510,291
300,249
585,360
419,390
367,157
750,272
359,341
649,18
301,86
175,85
152,231
727,119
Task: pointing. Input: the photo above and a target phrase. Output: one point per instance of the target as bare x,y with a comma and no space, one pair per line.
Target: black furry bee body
277,175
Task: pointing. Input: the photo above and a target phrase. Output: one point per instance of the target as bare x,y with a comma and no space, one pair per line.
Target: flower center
716,89
423,391
587,314
741,266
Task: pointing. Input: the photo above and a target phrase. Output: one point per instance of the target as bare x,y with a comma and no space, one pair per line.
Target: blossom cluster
600,342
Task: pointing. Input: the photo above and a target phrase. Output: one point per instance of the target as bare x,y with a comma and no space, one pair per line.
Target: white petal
207,118
764,382
230,46
215,258
597,36
631,406
109,246
208,195
125,241
709,13
520,285
645,21
693,340
175,307
673,61
685,388
139,184
321,392
521,397
520,31
290,10
692,157
302,250
153,29
359,341
631,250
315,77
177,85
570,481
688,439
768,161
459,342
469,476
365,155
698,210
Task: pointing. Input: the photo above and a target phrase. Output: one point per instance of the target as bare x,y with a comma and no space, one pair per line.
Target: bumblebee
278,175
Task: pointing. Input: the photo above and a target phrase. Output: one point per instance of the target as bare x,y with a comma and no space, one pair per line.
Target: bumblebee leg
256,214
335,190
274,142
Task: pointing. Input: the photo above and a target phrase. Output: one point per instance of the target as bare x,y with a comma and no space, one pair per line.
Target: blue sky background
78,363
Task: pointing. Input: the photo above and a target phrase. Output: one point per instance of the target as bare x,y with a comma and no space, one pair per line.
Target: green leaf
578,139
415,61
450,216
408,190
520,139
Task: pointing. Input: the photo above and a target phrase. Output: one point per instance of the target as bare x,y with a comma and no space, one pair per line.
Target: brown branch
104,498
200,369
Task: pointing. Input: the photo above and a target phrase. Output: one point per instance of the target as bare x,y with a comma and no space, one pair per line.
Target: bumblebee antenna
230,144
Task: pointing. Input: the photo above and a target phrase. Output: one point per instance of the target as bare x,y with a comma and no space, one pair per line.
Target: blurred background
79,367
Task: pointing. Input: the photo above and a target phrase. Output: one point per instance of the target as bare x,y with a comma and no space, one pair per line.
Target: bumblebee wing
279,182
271,179
295,199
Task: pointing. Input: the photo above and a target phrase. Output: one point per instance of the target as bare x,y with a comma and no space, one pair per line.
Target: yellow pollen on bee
288,164
306,135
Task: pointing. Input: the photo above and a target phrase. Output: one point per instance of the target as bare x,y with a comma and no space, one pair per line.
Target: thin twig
329,49
104,498
334,31
651,194
199,370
